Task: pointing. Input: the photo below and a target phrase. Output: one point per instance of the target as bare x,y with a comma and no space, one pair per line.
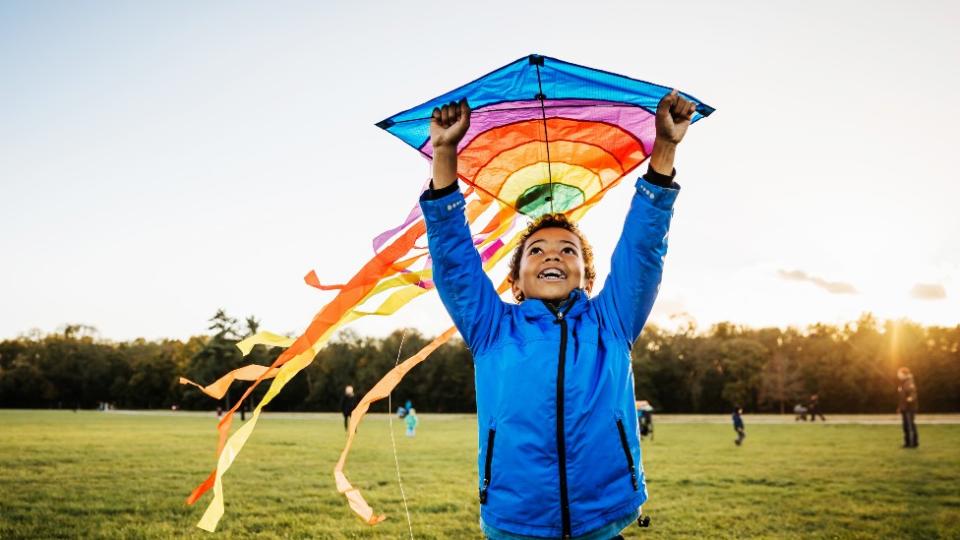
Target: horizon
681,325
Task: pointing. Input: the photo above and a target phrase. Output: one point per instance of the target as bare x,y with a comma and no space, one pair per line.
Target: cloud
928,291
832,287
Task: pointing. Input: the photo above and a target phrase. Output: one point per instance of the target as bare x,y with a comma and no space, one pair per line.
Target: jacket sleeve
465,290
637,264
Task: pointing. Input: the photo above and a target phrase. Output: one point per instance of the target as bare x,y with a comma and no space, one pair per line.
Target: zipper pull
483,491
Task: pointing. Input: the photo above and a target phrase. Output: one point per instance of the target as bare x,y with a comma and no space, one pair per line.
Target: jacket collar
575,304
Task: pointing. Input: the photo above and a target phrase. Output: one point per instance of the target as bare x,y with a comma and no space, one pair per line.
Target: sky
162,160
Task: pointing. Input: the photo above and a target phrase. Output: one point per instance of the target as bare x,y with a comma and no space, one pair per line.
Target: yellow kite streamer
380,390
387,270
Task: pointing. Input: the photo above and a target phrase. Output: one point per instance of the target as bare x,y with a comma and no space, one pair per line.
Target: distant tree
686,370
218,356
781,383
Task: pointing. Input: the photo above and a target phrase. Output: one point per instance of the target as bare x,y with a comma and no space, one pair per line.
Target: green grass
113,475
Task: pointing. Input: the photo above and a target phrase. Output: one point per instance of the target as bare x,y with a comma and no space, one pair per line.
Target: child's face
551,265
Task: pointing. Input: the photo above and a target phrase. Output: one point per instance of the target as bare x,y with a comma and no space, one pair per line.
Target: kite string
546,140
393,440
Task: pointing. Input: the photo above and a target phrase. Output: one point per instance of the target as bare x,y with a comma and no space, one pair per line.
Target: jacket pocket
487,466
627,454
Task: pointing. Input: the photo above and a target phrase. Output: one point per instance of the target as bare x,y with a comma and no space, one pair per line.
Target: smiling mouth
552,274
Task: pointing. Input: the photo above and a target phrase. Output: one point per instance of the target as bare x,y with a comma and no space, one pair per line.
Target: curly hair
551,221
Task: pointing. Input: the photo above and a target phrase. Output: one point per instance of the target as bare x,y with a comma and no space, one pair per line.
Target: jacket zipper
626,452
488,462
561,443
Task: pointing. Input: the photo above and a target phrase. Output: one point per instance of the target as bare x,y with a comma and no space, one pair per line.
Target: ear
589,286
517,292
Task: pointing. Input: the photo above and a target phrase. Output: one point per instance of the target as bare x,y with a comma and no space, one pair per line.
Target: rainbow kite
545,136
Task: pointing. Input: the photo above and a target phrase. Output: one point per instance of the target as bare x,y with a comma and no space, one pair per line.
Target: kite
546,136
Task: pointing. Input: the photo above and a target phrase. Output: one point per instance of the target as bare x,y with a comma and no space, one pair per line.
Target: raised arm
673,118
637,263
466,291
447,127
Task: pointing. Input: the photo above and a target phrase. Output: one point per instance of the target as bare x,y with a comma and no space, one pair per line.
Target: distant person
801,413
908,407
645,418
402,411
738,426
411,420
348,402
813,408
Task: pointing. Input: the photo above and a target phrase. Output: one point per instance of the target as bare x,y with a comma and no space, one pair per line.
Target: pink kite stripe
633,119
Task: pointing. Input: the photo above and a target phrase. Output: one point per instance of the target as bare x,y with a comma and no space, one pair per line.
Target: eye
535,251
569,251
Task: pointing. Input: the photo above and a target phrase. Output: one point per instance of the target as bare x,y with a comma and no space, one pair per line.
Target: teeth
552,274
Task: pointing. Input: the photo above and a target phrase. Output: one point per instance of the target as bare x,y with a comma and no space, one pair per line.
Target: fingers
688,109
679,107
446,115
463,109
451,113
682,109
667,102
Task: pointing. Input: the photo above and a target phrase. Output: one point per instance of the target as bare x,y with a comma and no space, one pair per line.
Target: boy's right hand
449,124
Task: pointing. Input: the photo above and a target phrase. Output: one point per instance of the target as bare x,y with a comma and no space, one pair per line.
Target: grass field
116,475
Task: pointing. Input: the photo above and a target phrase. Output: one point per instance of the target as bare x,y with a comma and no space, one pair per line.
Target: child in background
411,420
738,425
559,452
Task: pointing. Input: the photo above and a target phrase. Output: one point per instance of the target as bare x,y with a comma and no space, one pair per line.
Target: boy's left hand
673,117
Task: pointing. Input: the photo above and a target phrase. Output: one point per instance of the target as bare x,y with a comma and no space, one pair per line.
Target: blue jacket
559,450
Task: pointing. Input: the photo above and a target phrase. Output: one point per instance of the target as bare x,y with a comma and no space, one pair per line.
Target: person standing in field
738,425
813,408
908,407
411,420
348,402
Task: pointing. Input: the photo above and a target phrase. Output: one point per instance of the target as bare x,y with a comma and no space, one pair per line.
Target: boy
559,454
738,426
411,420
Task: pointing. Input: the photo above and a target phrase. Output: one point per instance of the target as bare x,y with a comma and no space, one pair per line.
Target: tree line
851,367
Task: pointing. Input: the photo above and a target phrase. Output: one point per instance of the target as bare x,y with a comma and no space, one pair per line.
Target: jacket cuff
432,194
438,205
660,197
657,179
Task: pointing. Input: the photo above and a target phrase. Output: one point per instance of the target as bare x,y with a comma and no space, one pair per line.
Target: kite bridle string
393,440
546,140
